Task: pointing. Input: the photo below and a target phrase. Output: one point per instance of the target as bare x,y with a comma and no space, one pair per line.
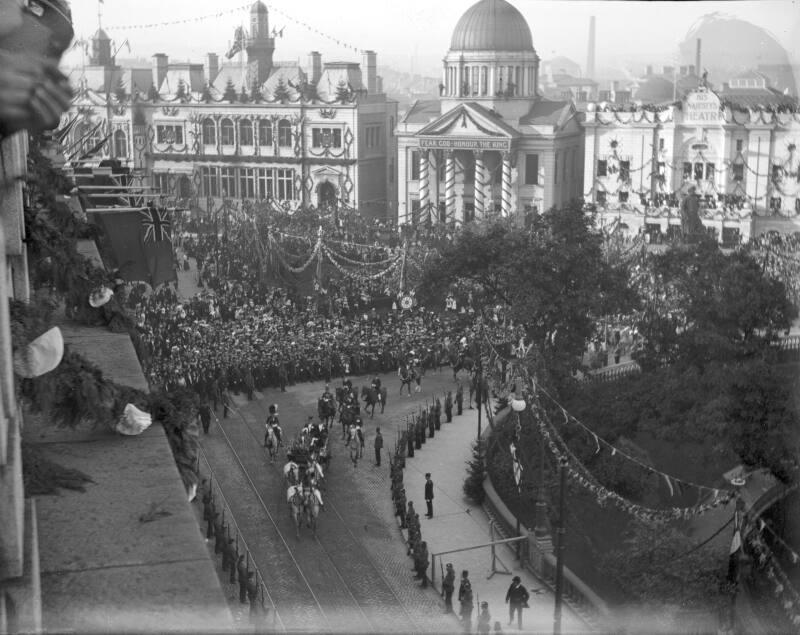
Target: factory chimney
697,67
590,58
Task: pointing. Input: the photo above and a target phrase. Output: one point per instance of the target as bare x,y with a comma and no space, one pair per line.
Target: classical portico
489,144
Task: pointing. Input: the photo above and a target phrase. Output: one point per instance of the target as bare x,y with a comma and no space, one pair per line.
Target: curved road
354,575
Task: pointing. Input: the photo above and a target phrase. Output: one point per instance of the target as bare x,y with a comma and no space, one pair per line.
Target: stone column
424,184
433,170
450,184
479,184
506,189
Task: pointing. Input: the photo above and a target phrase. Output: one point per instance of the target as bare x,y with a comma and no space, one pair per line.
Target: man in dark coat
429,495
448,407
205,416
517,599
378,446
465,599
459,399
448,586
241,569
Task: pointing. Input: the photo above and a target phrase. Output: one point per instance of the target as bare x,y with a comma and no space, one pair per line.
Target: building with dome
490,144
247,128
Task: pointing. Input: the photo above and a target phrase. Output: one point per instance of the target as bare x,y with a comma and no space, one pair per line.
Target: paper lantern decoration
133,421
100,297
406,302
518,405
40,356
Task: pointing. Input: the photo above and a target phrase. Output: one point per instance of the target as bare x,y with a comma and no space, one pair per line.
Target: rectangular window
699,169
797,205
711,172
602,167
739,145
228,182
391,170
326,138
738,172
775,203
661,143
285,184
624,170
623,197
687,170
169,134
415,165
777,170
161,183
247,182
264,180
601,197
531,169
662,168
211,181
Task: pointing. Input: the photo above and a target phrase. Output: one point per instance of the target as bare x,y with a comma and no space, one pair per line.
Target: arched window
226,135
264,132
120,144
284,133
484,79
209,132
245,132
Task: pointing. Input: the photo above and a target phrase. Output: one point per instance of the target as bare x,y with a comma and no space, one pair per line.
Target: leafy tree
281,92
244,97
473,484
229,94
206,96
343,92
553,279
703,305
152,93
119,91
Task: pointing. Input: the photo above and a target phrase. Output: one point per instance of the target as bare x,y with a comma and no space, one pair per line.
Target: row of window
261,133
696,171
251,183
373,136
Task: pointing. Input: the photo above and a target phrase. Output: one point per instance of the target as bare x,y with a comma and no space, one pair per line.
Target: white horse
273,442
291,473
315,470
354,441
313,502
296,499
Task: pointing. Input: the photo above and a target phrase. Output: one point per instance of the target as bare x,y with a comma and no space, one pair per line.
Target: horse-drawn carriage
304,477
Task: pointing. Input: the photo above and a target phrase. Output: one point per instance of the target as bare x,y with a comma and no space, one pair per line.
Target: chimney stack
160,67
212,67
370,64
379,84
314,67
590,58
697,58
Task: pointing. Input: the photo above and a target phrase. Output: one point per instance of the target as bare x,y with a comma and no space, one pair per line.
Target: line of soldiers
429,419
232,561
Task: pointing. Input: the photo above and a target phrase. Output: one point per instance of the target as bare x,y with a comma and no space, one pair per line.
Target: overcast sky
416,33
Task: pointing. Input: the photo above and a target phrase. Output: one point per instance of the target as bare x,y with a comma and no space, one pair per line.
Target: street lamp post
560,549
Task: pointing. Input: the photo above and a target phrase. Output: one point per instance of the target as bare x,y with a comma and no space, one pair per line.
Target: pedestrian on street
230,555
241,568
484,620
448,586
448,407
459,399
465,599
378,446
252,594
429,495
205,416
517,599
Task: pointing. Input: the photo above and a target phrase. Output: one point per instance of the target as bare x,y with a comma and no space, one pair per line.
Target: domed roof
101,35
492,25
258,7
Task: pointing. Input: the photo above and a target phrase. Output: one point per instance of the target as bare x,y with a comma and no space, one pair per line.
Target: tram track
368,598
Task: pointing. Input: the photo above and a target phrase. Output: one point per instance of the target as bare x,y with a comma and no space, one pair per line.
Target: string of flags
783,589
240,8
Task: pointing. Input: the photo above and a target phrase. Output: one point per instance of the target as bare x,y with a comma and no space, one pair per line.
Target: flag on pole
516,464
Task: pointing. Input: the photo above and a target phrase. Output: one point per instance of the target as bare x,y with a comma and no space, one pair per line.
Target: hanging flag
138,258
157,226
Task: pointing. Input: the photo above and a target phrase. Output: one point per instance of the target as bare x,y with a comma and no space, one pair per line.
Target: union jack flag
157,226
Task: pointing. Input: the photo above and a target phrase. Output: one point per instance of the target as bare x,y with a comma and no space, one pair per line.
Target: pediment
469,120
326,171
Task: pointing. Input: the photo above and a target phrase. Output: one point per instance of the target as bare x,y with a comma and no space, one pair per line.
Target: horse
354,443
295,499
314,470
461,362
273,443
473,389
326,410
372,397
312,505
291,473
347,417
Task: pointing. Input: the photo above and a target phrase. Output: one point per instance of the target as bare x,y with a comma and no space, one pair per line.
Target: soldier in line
448,407
448,586
241,569
459,399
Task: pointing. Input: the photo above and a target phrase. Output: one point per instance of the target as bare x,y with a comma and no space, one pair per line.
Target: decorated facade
490,144
738,151
251,129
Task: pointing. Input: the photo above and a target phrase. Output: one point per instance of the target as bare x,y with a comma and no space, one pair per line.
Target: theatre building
490,144
736,145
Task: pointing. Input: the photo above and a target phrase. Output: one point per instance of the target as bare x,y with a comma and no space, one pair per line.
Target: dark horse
326,410
461,362
372,397
347,415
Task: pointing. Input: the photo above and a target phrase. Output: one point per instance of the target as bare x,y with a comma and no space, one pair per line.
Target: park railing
204,471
